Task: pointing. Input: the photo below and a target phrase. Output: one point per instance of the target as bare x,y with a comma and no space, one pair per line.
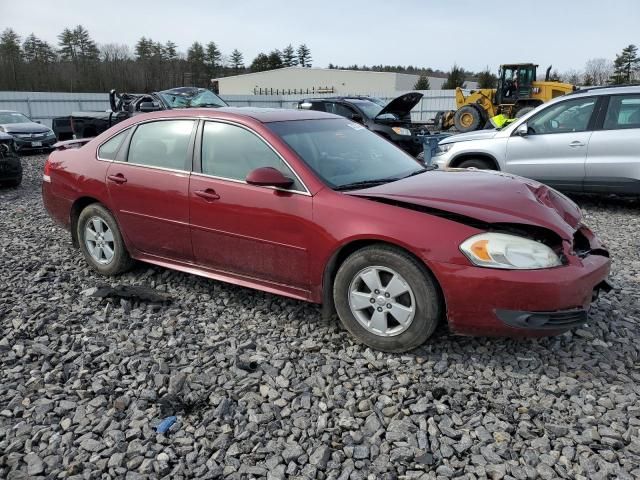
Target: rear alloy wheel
101,242
476,163
387,299
468,118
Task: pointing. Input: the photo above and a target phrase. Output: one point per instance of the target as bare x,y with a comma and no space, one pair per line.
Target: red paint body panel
152,207
282,242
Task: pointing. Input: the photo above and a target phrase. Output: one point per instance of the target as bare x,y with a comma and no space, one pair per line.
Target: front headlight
443,148
509,252
401,131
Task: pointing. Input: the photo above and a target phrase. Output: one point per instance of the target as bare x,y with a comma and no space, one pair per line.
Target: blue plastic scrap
166,424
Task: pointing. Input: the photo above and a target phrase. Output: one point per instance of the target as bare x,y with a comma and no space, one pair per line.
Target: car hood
401,105
27,127
487,196
465,137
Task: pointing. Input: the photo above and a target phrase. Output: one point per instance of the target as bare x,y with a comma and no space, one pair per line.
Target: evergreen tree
626,66
170,51
237,60
455,78
260,63
304,56
196,61
289,58
275,59
213,57
486,79
10,57
77,45
143,48
422,83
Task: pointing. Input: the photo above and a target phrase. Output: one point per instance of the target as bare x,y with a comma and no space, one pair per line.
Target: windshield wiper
364,184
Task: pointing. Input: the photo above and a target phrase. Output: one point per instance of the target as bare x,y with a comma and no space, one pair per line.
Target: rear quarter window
109,149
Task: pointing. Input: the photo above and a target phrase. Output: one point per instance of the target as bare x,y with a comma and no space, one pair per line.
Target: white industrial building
294,80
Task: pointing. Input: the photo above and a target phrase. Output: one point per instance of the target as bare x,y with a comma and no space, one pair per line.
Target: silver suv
587,141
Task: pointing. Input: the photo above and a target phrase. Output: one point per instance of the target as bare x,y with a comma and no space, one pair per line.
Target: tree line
78,64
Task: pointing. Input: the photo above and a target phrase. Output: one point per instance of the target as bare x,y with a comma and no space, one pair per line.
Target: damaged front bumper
482,301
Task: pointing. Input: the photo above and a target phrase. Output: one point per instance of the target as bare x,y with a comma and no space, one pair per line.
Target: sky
425,33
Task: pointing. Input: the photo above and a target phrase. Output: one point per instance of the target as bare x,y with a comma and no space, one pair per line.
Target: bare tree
597,71
573,76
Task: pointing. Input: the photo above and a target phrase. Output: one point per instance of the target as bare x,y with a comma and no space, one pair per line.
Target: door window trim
591,124
123,151
197,158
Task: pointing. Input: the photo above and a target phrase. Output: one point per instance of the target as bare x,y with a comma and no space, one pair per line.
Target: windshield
370,109
13,117
192,98
343,153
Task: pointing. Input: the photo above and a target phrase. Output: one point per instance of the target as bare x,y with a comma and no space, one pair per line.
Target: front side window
564,117
344,154
163,143
623,112
231,152
109,149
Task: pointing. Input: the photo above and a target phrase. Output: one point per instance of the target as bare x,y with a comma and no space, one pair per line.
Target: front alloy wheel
387,298
382,301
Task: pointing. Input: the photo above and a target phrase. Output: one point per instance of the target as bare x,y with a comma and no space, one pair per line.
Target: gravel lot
85,381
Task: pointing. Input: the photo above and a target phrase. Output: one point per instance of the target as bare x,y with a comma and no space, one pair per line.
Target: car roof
263,115
607,90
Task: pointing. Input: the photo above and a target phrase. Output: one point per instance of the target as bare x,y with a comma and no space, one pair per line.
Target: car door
149,188
256,232
613,159
555,149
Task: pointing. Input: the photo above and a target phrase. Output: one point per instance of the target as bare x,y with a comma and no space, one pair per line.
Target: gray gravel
85,380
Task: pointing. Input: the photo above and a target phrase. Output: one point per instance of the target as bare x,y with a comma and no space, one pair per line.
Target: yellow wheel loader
518,92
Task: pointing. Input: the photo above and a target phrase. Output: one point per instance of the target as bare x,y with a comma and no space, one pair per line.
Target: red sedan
315,207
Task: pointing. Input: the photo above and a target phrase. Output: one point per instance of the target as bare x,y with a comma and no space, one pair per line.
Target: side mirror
38,121
149,107
268,177
522,130
356,118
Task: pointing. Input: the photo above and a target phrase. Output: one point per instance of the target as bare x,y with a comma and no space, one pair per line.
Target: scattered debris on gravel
261,387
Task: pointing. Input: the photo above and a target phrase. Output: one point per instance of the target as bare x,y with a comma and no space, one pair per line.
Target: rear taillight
46,174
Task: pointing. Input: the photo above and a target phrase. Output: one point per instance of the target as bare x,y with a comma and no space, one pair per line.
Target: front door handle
209,194
577,143
117,178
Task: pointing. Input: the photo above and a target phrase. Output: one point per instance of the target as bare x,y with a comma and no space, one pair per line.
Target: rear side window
231,152
623,112
162,144
109,149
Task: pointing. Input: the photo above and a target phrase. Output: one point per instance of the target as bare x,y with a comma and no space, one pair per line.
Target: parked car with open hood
392,121
27,134
315,207
587,141
10,166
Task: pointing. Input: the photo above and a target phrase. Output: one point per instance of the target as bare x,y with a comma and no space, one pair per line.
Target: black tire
468,118
121,261
14,183
523,111
428,304
476,163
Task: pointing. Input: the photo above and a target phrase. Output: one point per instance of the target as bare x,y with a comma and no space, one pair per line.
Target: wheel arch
457,160
338,257
77,207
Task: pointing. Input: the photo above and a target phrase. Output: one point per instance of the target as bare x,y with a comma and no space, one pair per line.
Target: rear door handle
577,143
209,194
118,178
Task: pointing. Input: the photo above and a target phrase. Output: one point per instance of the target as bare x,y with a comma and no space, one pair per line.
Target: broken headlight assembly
508,252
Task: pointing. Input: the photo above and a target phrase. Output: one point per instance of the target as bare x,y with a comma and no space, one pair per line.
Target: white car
587,141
